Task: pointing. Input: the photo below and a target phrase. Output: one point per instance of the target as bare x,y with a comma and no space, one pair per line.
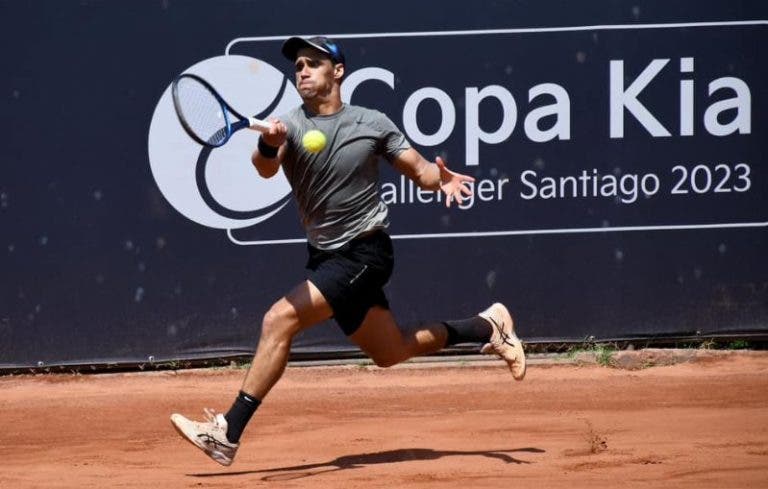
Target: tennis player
350,253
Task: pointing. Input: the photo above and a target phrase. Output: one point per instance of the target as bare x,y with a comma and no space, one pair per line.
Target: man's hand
276,134
453,184
267,166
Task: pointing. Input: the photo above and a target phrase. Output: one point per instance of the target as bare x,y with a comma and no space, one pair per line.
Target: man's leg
381,339
386,344
303,307
219,437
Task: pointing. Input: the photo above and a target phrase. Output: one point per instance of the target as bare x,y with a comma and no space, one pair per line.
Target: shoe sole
516,343
520,353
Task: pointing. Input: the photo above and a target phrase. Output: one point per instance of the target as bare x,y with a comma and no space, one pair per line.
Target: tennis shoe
504,342
209,436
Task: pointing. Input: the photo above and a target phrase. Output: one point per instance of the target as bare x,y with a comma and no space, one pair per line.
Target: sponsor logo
564,136
219,188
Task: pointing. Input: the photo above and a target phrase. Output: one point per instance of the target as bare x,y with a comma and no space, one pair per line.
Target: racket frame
230,126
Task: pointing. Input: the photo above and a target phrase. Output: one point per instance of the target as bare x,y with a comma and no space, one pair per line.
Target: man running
350,253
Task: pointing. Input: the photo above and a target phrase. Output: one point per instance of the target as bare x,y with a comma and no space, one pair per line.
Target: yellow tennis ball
314,141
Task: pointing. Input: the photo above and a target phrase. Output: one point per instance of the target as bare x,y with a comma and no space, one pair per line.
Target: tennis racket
204,114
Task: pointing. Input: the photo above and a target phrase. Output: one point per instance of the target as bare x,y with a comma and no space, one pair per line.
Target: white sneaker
504,342
209,436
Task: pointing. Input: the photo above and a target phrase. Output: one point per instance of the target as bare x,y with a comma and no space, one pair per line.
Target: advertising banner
619,154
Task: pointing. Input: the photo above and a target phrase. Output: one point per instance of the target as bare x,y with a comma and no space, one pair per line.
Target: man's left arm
433,176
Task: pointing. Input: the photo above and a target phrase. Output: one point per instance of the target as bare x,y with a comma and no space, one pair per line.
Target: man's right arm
271,150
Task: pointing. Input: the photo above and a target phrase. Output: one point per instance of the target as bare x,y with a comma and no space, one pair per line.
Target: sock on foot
239,414
470,330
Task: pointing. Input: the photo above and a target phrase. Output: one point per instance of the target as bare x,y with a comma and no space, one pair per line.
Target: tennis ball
314,141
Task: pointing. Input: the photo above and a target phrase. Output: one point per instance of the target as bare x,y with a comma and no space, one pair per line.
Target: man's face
315,73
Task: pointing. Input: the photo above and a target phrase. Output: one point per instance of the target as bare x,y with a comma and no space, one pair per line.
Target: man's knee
277,325
387,358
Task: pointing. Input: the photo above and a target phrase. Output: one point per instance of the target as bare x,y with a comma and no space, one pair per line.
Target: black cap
321,43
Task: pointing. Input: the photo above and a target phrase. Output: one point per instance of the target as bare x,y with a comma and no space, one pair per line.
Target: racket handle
259,125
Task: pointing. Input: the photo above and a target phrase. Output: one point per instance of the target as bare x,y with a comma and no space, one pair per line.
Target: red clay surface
697,425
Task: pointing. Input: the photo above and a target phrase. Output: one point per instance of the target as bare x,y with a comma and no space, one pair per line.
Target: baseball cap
323,44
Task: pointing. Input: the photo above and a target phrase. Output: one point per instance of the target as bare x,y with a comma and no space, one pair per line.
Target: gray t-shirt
337,189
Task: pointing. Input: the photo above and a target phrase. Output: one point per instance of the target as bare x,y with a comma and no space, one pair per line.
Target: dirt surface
701,424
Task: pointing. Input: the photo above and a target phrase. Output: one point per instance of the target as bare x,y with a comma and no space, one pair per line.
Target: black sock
470,330
239,415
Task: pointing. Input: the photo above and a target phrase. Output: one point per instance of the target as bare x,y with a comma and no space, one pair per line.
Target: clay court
701,424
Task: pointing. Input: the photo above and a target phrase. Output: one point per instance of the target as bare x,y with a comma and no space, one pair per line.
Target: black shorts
351,278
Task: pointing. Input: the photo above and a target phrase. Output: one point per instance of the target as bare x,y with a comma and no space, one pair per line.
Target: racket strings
202,111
